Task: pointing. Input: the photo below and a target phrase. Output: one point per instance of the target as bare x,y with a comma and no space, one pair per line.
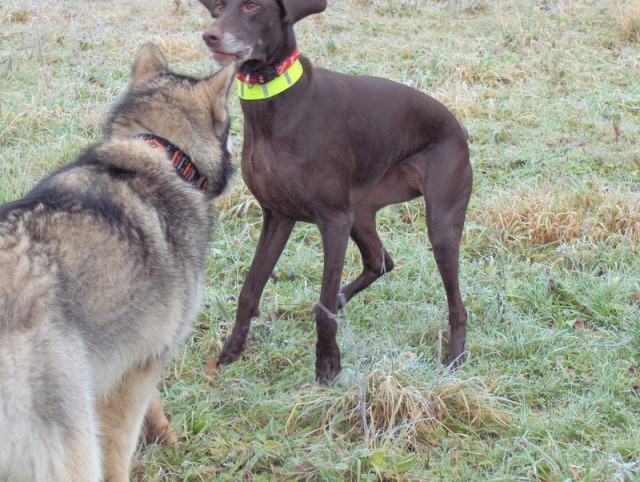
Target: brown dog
333,149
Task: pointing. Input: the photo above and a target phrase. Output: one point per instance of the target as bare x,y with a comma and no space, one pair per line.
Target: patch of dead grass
238,202
630,23
181,48
20,16
389,407
558,213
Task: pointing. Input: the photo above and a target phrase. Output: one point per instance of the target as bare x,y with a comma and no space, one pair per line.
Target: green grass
550,93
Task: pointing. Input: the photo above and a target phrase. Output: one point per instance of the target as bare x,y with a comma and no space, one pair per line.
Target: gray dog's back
99,273
101,269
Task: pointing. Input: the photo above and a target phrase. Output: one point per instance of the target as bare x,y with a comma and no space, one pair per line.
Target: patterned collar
183,165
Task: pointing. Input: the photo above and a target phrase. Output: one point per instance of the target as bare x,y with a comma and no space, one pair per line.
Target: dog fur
101,267
334,149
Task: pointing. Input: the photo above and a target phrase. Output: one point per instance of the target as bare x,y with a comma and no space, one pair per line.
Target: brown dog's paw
454,360
327,370
457,353
231,351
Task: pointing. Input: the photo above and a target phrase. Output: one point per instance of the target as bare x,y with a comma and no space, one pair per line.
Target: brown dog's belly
300,194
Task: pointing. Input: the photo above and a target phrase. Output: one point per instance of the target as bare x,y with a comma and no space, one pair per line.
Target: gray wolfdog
101,266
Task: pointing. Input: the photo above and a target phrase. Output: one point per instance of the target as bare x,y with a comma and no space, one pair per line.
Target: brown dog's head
256,33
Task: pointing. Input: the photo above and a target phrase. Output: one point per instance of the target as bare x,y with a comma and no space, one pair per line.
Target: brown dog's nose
212,35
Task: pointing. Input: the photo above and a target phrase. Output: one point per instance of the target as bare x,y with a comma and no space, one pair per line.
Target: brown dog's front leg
335,235
273,238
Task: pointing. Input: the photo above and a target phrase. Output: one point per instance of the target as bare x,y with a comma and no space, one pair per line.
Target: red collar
183,165
270,73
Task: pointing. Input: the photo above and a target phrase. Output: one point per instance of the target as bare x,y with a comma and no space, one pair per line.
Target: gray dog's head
189,112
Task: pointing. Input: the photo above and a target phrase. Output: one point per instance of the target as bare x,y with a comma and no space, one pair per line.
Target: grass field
550,93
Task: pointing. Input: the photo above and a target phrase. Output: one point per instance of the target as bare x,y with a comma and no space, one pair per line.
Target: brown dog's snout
212,35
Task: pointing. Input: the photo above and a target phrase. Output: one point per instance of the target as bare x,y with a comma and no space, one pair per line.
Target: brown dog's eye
250,6
217,9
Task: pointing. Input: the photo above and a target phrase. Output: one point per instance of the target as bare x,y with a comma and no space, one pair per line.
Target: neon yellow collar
278,85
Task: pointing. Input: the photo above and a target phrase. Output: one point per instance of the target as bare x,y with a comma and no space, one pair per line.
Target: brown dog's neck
267,70
265,76
289,90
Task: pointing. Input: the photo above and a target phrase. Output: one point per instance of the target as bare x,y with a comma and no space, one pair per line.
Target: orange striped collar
183,165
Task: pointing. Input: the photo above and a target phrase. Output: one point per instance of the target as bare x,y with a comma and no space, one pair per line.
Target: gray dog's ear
216,89
149,63
298,9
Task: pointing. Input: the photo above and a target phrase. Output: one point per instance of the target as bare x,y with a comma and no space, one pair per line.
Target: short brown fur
333,149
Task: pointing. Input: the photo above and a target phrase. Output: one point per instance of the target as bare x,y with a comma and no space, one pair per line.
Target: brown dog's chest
287,185
273,189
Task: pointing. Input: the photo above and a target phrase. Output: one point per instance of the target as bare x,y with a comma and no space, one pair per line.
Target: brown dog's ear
211,6
298,9
149,63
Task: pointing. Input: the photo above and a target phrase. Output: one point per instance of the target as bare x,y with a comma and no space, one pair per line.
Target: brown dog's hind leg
398,185
376,261
334,229
447,183
273,238
156,428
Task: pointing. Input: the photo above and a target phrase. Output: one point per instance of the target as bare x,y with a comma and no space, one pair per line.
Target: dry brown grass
560,213
630,23
389,408
19,16
237,202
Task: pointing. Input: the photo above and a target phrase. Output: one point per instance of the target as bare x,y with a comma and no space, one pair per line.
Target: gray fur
101,267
